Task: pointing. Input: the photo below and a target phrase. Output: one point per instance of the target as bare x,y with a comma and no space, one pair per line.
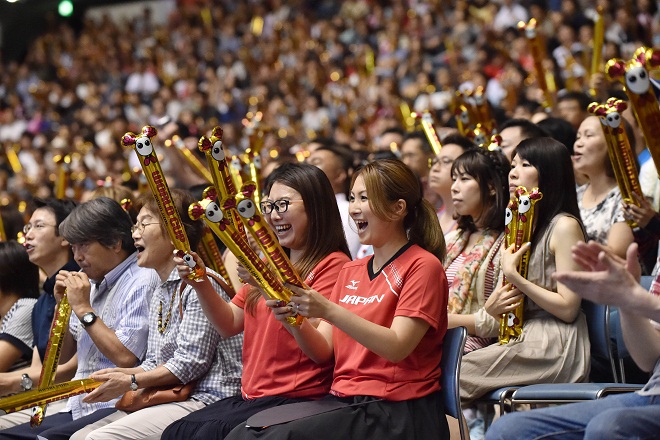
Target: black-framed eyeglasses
37,226
278,205
139,227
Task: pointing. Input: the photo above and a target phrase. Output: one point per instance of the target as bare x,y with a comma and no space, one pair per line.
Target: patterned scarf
463,286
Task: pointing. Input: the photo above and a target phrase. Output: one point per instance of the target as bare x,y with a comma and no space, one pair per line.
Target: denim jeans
623,416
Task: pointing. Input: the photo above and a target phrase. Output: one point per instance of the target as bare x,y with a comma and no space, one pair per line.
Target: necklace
376,268
161,326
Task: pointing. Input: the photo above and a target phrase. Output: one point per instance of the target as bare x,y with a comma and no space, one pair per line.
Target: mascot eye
524,204
257,162
508,216
143,146
213,212
246,208
217,152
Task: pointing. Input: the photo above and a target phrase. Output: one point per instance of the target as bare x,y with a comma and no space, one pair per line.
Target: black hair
491,170
553,162
17,274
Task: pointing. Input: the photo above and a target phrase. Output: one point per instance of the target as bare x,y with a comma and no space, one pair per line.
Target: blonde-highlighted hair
390,180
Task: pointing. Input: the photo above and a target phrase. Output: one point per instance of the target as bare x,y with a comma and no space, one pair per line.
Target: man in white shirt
336,162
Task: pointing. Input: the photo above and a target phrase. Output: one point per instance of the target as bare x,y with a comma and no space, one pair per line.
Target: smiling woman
300,206
386,319
599,200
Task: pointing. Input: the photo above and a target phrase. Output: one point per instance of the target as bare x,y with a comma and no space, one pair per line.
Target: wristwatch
26,382
88,319
134,385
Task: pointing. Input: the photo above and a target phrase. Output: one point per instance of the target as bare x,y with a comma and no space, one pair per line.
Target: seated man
109,319
47,249
183,345
622,416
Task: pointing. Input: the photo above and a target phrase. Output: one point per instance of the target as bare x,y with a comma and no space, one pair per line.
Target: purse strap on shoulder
218,279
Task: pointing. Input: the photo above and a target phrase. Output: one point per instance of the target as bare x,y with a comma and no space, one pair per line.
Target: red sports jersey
412,284
273,364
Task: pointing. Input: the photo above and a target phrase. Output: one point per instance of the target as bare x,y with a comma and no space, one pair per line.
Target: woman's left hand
309,303
503,300
511,259
116,384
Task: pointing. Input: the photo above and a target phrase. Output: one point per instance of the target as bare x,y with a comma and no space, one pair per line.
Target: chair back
646,281
598,324
450,367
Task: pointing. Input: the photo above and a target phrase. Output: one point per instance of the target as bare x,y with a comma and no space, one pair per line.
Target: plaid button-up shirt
190,347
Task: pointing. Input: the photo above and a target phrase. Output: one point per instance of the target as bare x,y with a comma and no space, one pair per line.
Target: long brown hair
389,180
325,233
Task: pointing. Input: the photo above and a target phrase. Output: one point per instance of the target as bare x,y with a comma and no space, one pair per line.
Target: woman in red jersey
384,324
301,209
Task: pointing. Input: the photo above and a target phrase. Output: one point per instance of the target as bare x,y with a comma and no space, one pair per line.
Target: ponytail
425,230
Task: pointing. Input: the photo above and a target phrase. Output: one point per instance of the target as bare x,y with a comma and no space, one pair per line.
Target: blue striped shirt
121,300
190,347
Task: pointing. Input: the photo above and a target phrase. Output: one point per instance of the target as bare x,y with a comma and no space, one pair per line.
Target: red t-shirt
412,284
273,364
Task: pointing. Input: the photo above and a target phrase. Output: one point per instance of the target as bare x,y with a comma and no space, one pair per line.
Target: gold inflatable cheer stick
143,145
525,201
634,74
46,395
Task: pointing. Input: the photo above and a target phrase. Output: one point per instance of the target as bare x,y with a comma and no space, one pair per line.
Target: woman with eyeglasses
384,325
440,178
300,207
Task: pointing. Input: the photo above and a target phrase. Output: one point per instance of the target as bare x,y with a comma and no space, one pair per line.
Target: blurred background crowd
351,71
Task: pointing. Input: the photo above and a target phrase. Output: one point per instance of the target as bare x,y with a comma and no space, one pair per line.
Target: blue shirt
44,309
121,301
643,156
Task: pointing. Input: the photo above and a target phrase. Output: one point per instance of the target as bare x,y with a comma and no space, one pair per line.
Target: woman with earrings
554,344
300,207
384,324
480,193
183,347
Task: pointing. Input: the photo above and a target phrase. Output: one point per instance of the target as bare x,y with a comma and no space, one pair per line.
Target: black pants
417,419
216,420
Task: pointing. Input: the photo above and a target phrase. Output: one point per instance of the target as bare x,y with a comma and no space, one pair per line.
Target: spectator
613,281
47,249
480,193
336,161
551,318
109,314
318,257
515,130
19,288
440,178
600,198
182,347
